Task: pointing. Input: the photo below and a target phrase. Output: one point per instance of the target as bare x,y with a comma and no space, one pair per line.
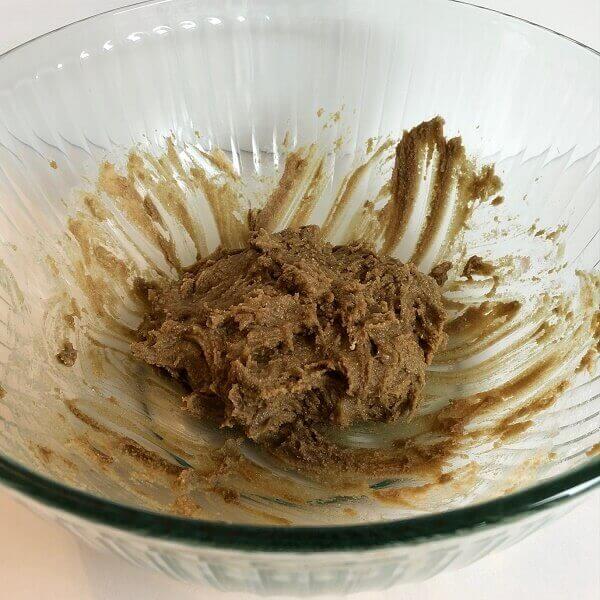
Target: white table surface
40,561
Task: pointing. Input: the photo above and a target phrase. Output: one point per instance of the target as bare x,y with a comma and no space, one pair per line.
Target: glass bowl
136,140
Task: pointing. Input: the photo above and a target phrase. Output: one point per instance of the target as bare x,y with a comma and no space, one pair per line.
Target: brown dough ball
293,330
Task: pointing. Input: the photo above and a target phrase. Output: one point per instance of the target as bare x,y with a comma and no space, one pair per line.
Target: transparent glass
96,446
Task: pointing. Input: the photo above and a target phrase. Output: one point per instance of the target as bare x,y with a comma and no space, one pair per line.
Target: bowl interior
132,143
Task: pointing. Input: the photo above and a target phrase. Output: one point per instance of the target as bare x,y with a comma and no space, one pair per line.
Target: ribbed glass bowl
260,80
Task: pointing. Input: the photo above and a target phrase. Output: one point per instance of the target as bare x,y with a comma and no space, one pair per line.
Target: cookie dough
67,354
293,333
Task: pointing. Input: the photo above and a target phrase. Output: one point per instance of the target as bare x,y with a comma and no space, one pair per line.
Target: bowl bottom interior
507,401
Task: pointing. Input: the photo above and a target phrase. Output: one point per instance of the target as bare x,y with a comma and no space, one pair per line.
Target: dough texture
293,333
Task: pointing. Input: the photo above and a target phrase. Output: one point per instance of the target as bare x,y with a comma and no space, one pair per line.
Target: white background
39,561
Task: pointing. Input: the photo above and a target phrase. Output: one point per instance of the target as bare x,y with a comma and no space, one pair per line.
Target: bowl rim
300,538
324,538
